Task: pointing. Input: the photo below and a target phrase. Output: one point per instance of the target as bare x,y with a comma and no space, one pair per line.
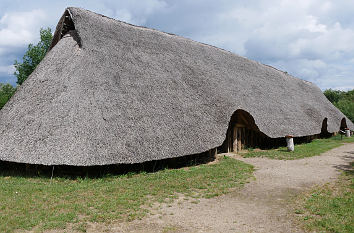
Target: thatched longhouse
113,93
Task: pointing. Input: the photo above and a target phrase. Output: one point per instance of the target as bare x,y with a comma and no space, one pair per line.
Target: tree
346,107
33,56
332,95
343,100
6,91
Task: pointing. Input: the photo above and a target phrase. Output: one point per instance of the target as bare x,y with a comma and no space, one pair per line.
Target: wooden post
239,139
228,141
243,138
234,145
347,132
247,141
289,142
27,167
251,137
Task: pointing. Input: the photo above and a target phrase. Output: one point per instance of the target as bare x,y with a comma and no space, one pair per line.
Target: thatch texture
110,92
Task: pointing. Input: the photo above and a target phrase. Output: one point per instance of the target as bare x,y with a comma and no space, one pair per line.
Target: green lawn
329,208
316,147
28,202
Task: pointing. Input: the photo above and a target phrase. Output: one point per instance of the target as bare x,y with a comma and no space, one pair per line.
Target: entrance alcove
343,124
242,133
324,130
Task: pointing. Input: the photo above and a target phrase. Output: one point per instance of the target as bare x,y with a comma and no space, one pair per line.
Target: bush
6,91
343,100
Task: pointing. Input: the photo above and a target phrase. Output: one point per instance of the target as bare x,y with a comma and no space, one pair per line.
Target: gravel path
261,206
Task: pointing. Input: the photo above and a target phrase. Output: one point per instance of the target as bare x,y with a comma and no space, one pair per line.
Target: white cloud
7,73
133,11
7,69
294,37
20,28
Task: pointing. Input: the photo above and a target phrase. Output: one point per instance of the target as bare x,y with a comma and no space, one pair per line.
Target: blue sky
310,39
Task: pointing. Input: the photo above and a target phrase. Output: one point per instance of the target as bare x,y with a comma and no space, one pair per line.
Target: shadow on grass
348,168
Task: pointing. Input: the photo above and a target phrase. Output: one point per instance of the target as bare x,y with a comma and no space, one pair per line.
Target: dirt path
261,206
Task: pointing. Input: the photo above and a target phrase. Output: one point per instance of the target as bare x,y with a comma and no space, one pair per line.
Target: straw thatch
109,92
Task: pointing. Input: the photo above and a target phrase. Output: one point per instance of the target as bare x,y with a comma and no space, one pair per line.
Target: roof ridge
157,30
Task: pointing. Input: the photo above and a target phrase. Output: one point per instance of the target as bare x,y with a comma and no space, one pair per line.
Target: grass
316,147
42,203
329,208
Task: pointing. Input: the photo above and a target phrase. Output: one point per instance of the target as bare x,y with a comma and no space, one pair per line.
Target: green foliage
316,147
45,203
33,56
343,100
6,91
332,95
346,106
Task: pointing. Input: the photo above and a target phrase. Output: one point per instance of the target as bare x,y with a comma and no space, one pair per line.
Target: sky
310,39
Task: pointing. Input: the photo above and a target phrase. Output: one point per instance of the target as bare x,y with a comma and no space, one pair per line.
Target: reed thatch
109,92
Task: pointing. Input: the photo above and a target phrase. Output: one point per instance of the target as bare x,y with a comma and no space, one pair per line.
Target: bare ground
261,206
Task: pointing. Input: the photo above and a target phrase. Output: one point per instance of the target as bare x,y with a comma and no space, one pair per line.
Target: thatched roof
110,92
